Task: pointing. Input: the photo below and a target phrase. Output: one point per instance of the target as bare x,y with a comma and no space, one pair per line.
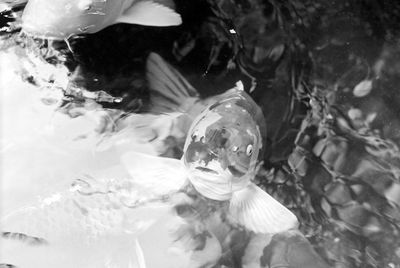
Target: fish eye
195,134
249,149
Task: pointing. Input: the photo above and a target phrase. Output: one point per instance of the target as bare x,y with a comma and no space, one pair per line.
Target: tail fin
169,90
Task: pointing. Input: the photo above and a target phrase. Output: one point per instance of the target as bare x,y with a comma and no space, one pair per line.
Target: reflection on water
326,79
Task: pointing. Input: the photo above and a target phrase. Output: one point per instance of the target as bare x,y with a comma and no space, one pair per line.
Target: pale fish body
221,155
220,159
62,19
219,162
49,219
91,224
42,148
222,148
224,143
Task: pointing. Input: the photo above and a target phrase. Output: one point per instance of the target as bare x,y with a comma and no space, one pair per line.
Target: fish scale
73,223
97,213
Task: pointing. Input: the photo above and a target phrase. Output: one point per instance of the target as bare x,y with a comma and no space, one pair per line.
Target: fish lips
232,169
204,169
35,31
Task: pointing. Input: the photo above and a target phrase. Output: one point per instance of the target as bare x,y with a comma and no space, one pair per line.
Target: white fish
175,103
91,224
62,19
51,219
42,152
95,222
221,152
220,161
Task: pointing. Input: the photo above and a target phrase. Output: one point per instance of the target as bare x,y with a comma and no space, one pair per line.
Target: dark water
326,76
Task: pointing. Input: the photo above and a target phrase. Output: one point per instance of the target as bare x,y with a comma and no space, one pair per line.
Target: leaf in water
363,88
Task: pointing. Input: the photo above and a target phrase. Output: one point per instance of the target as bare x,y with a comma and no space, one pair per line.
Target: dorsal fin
168,88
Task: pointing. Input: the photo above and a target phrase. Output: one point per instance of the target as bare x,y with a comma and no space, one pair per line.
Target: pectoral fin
161,175
151,14
259,212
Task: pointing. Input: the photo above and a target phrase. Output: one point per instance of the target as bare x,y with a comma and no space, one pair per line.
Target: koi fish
220,160
86,225
65,18
174,104
93,223
223,145
96,222
48,217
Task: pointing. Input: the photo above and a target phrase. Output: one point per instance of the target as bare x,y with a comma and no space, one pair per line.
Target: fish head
60,19
223,145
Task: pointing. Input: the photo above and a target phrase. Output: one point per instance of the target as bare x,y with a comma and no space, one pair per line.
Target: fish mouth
42,31
204,169
235,172
49,35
